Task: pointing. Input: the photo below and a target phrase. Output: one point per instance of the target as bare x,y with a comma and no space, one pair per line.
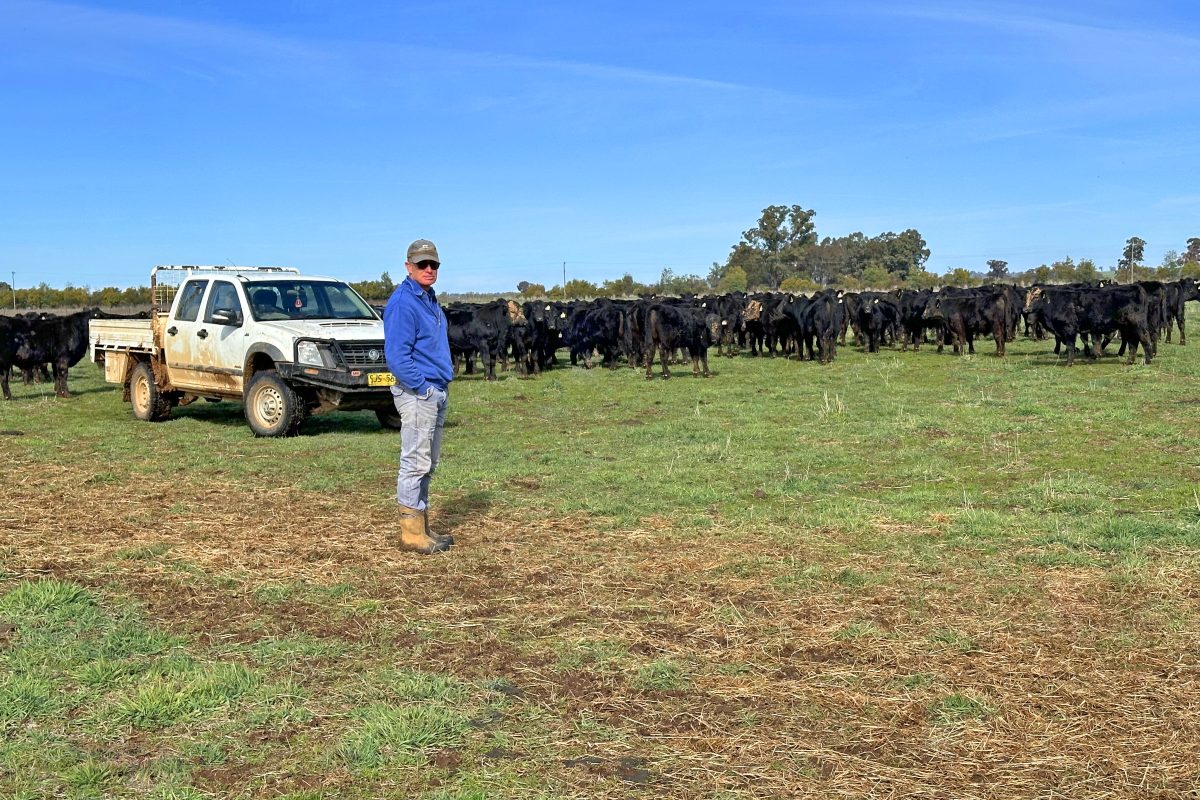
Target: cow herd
812,327
761,323
39,344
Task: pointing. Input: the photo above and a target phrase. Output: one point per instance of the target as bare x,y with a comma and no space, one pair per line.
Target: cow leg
1131,339
649,359
1148,349
1182,334
5,374
60,381
489,363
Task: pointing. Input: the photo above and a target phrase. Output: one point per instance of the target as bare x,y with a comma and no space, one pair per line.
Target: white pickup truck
284,344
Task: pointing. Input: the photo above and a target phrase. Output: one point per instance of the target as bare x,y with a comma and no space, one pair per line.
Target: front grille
362,354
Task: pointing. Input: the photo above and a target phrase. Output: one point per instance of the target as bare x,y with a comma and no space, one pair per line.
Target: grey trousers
421,420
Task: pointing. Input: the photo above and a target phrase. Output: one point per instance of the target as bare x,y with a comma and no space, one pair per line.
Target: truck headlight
312,353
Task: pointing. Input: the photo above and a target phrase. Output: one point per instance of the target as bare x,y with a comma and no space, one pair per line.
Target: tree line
782,252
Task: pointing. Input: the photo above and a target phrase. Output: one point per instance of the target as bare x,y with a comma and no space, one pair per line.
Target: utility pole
13,285
564,281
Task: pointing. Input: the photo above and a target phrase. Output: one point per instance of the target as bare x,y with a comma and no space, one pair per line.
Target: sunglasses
433,265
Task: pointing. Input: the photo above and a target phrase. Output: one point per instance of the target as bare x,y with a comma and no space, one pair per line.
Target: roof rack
162,293
222,268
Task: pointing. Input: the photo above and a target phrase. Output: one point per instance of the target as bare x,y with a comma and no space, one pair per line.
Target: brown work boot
441,537
412,533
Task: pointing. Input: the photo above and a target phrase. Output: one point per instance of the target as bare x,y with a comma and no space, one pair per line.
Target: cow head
515,315
1032,296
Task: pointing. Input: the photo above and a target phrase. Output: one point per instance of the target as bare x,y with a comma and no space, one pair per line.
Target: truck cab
286,345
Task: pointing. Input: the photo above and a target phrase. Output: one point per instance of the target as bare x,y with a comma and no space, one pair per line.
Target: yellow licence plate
381,379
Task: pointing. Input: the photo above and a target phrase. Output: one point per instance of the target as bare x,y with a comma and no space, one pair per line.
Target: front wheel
388,418
149,404
272,407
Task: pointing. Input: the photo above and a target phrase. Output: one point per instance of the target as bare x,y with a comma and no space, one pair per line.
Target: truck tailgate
121,334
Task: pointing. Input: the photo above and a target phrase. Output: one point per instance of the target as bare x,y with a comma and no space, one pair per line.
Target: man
418,354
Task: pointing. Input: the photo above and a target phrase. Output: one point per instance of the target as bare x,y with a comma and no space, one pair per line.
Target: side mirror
226,316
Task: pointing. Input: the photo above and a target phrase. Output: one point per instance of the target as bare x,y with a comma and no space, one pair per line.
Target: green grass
787,580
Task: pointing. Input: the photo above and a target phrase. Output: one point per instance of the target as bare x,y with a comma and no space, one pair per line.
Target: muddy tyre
149,404
272,407
388,418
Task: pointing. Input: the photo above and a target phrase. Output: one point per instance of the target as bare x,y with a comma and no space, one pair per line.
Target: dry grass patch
982,681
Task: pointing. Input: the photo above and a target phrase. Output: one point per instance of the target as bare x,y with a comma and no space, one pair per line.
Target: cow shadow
1049,359
39,390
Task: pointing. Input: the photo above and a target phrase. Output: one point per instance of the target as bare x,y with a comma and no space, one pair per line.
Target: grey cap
422,250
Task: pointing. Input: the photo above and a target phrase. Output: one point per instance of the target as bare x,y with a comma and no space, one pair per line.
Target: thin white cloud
1104,40
1179,201
95,29
27,18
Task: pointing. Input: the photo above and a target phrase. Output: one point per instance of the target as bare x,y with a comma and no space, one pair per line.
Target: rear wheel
388,417
272,407
148,402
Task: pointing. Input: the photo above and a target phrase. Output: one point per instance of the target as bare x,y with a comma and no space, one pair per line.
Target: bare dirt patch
1056,682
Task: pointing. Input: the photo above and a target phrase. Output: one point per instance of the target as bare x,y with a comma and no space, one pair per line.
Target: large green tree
828,261
1132,255
1192,254
776,247
997,269
903,252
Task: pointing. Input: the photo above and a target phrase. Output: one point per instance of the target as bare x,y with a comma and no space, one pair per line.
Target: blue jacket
414,338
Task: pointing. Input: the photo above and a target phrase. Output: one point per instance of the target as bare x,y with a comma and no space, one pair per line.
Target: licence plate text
381,379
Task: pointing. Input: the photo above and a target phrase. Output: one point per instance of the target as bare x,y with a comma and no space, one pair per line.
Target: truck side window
189,303
223,297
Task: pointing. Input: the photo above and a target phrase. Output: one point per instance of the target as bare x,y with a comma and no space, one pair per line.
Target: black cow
877,315
481,329
60,342
965,313
781,328
730,319
826,321
597,327
543,320
1178,294
1068,312
912,317
754,322
1156,312
13,333
670,326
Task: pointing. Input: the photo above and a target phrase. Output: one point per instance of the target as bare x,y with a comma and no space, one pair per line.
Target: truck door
225,344
181,337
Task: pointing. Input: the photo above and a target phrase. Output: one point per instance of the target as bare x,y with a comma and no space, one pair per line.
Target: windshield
305,300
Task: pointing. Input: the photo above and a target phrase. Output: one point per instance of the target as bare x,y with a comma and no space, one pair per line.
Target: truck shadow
231,415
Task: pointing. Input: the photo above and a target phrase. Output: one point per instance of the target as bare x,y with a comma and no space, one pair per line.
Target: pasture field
900,575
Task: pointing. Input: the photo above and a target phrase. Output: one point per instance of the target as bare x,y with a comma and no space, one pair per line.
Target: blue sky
616,137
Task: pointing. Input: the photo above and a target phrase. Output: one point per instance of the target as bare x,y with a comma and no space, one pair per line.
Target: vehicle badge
373,354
